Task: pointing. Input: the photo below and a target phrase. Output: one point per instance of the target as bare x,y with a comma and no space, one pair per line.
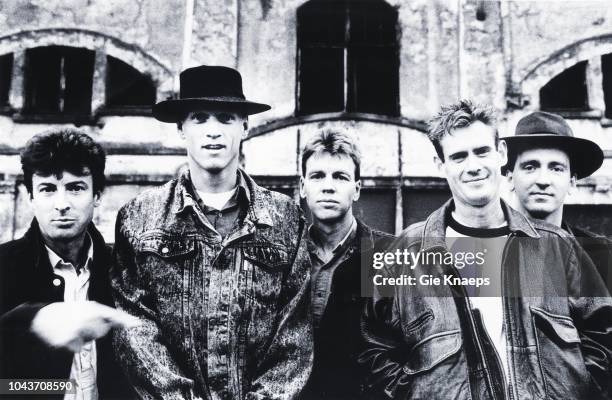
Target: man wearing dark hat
539,325
215,266
545,160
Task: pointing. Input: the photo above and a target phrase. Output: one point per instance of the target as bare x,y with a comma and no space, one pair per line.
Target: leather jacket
28,282
336,374
433,346
222,318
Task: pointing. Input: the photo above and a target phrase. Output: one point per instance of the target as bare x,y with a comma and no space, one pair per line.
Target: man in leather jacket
55,295
547,333
545,160
214,266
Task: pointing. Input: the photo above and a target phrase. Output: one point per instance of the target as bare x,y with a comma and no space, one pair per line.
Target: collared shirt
323,270
84,368
225,220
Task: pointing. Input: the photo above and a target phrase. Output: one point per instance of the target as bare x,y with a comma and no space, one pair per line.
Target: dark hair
459,115
59,150
334,143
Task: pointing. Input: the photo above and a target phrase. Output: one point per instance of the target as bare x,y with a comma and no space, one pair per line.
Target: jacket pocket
560,356
432,351
269,257
166,246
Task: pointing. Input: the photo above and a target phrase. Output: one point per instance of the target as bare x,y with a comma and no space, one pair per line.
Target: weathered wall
446,52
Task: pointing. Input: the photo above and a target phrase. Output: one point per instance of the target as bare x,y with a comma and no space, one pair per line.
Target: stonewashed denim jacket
429,344
221,318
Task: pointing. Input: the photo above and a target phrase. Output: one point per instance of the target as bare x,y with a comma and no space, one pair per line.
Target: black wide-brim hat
208,87
541,130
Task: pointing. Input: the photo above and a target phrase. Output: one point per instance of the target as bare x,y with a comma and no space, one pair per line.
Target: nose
328,185
473,165
543,178
61,202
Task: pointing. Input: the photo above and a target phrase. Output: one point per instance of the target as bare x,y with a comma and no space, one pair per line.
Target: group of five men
222,290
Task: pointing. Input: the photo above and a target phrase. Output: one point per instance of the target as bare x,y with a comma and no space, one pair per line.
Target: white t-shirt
216,200
490,307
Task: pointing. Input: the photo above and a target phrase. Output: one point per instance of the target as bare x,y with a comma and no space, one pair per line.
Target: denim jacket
222,318
432,346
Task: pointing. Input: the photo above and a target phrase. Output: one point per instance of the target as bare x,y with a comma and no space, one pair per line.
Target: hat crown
210,81
543,123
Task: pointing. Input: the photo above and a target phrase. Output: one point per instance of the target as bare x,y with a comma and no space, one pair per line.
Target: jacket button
57,282
165,250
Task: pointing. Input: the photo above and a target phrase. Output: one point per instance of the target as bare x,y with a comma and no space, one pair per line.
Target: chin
327,216
539,212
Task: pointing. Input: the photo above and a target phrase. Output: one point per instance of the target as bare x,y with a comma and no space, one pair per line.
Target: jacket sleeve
384,347
591,307
287,363
141,352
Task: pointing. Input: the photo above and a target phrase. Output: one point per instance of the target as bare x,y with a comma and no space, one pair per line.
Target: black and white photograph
306,199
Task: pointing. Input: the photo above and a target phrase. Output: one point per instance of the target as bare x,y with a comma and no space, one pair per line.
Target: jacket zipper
473,327
474,330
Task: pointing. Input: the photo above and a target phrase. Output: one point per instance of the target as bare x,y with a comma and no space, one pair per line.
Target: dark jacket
26,279
223,318
599,249
431,345
338,343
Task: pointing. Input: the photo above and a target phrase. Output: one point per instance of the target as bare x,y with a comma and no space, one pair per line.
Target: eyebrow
527,162
458,154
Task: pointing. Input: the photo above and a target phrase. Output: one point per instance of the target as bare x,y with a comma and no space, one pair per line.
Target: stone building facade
376,69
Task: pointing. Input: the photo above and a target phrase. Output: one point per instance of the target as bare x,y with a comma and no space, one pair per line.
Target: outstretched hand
70,325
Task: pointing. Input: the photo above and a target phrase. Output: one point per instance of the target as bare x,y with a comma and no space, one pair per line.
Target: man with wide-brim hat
215,266
545,160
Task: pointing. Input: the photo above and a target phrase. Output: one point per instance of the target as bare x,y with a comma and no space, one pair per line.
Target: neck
213,182
555,218
330,233
490,215
72,250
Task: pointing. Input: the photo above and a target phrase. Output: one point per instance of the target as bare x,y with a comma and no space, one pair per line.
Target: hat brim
585,156
175,110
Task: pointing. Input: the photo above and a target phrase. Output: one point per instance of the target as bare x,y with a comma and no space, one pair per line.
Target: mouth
327,201
477,180
63,221
541,194
213,146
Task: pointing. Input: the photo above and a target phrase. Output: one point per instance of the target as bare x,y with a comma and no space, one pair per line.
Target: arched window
127,87
347,57
566,91
58,80
71,84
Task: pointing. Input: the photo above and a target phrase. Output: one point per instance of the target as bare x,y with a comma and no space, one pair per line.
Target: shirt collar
189,197
55,259
313,233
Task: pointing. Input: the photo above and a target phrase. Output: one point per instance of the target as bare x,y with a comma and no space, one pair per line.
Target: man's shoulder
279,205
11,248
152,197
547,230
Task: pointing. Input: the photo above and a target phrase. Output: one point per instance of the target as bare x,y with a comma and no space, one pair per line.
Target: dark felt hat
542,129
207,87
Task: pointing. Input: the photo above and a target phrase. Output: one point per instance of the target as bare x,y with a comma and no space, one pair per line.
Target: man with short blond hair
330,184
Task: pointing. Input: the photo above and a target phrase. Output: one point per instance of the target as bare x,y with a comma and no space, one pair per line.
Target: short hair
334,143
55,151
459,115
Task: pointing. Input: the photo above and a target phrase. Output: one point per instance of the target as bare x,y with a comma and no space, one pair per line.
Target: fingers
71,324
